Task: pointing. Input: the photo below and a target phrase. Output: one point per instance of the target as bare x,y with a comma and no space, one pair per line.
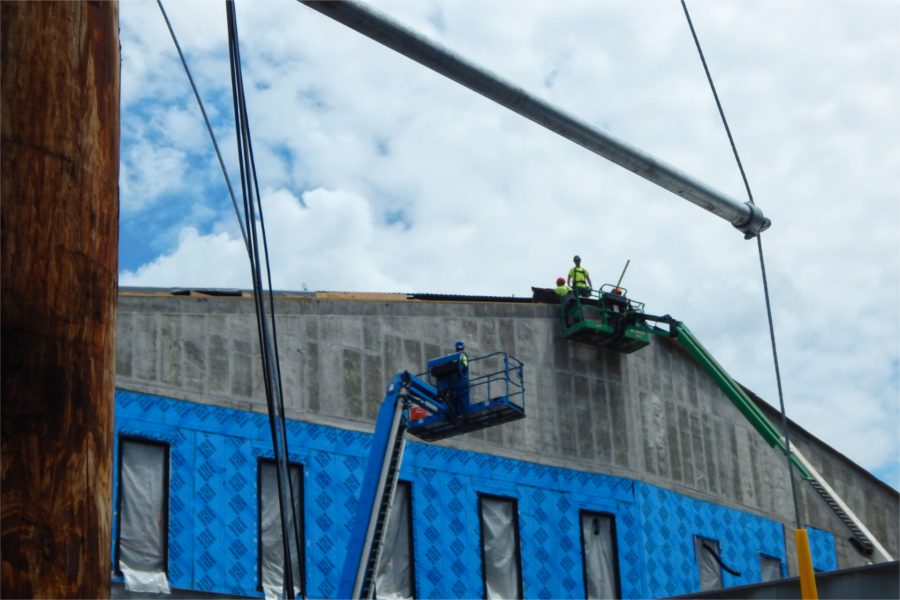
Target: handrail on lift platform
439,406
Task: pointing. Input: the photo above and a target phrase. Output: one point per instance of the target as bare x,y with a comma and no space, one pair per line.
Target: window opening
395,575
598,546
143,503
710,571
710,563
271,547
500,547
770,568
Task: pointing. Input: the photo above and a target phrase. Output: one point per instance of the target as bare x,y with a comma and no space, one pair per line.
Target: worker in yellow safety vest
579,278
463,357
561,288
458,400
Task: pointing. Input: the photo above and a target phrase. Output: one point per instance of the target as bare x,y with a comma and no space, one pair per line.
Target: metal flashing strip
466,298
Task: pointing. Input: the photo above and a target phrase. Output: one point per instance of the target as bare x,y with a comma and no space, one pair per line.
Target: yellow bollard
804,566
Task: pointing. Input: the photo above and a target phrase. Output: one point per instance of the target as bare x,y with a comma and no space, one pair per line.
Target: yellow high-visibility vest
579,276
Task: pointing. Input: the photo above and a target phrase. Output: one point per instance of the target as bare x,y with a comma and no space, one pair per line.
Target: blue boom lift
454,396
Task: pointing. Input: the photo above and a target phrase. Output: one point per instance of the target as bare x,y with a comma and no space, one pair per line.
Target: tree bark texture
59,126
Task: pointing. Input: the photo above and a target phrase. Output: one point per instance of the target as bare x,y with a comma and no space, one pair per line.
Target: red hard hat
560,281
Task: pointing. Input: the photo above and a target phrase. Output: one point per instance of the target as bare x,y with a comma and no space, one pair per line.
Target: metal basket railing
493,376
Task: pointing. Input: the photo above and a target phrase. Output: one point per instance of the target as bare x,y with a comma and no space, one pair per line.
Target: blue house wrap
213,530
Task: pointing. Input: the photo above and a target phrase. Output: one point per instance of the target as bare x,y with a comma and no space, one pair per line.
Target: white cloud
198,261
149,171
330,241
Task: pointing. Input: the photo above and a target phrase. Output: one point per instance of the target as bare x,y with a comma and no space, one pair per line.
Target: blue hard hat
576,259
460,345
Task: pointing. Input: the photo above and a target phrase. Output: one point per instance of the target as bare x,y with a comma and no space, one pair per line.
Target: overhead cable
265,311
209,128
364,19
762,266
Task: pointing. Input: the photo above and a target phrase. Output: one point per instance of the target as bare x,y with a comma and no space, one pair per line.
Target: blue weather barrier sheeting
213,511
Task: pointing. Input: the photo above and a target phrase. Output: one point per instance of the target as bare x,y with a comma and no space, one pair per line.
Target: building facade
632,475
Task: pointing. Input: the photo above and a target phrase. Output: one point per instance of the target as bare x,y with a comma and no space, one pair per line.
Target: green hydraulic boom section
609,319
736,394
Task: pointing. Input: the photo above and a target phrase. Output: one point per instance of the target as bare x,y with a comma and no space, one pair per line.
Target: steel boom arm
744,216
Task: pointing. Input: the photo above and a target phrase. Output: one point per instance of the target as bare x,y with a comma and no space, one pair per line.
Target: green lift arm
607,318
867,542
735,393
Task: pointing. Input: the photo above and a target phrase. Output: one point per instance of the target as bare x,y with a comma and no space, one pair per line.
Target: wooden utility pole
59,211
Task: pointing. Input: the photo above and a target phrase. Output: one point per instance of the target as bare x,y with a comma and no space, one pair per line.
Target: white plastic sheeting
393,575
710,571
271,545
142,518
499,548
770,568
599,560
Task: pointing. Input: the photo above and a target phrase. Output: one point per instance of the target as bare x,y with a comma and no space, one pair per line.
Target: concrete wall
652,416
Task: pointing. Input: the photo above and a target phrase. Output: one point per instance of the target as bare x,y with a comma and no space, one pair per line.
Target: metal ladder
376,494
392,473
867,542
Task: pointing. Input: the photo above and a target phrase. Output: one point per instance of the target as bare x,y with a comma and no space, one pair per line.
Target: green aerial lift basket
606,319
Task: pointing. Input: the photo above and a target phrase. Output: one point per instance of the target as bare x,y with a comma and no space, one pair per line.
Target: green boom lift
607,318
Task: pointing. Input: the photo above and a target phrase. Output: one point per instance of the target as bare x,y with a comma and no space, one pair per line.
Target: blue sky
378,175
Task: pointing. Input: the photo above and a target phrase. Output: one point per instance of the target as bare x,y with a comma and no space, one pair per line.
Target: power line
762,266
209,128
254,236
265,312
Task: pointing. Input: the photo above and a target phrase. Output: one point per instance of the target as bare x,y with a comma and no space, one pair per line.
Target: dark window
598,548
141,541
394,576
770,568
271,545
501,563
707,553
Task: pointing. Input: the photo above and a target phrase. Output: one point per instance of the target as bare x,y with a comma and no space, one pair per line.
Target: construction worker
451,378
463,358
579,278
561,288
457,393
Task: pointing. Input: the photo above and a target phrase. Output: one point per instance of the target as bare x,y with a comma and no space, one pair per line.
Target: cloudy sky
379,175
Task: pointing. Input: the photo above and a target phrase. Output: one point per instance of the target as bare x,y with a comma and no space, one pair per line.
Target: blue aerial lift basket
466,395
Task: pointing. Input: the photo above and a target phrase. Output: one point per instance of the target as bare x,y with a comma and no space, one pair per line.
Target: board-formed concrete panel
652,416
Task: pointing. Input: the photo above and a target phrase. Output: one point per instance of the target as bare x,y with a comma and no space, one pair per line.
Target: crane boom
744,216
